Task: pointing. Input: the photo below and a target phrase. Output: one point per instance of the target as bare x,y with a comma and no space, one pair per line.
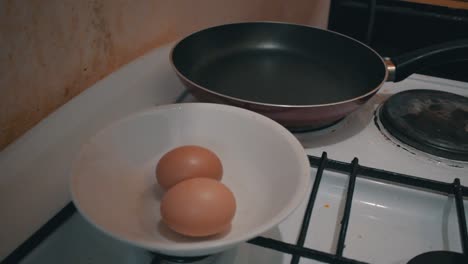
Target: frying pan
300,76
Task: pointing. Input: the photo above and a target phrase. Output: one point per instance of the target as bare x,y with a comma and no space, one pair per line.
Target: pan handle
404,65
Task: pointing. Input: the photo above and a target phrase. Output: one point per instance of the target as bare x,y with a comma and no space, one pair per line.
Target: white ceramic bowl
114,187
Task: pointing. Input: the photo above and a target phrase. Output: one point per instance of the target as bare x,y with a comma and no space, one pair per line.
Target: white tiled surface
34,169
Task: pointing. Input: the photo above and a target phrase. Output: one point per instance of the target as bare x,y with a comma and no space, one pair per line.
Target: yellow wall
52,50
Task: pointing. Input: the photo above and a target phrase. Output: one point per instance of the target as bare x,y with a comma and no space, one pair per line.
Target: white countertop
34,169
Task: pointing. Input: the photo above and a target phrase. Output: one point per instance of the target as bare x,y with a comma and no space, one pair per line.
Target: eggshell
198,207
187,162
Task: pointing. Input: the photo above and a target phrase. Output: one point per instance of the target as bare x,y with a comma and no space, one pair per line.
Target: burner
306,129
432,121
439,257
165,259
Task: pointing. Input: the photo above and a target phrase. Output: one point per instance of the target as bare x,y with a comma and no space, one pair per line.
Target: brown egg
187,162
198,207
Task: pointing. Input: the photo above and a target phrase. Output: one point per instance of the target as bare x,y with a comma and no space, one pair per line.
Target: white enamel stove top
388,224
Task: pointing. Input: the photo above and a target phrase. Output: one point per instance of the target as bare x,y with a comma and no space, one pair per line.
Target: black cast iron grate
355,170
298,250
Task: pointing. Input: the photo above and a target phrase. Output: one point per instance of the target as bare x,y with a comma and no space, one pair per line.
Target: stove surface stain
398,145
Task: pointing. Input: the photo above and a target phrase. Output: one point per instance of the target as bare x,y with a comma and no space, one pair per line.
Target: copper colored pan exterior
296,118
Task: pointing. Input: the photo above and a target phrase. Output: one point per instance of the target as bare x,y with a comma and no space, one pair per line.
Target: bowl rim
210,246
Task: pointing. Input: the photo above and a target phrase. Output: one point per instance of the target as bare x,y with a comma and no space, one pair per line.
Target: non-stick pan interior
276,63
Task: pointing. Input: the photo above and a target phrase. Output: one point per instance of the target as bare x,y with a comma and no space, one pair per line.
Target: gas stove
376,200
363,135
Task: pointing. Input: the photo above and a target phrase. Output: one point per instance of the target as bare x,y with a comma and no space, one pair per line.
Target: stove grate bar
457,191
301,251
347,209
460,192
310,206
392,177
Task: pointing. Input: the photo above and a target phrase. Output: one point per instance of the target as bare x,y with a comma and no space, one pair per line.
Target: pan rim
250,102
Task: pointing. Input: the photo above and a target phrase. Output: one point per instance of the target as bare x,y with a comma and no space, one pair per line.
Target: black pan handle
404,65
